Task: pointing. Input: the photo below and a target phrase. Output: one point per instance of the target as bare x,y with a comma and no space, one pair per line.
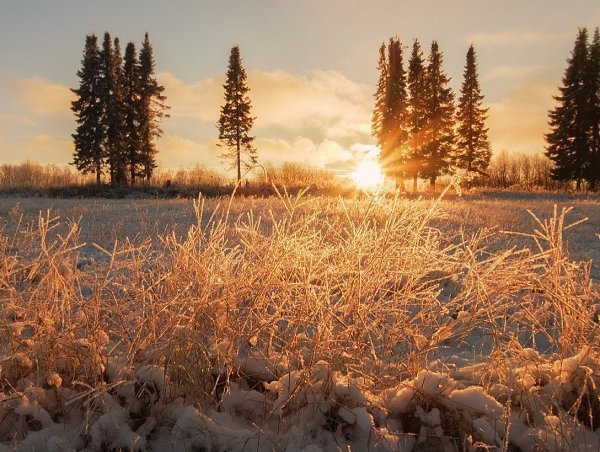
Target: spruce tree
395,121
379,110
235,120
439,128
569,141
390,111
473,151
131,113
112,105
152,109
593,82
89,135
418,112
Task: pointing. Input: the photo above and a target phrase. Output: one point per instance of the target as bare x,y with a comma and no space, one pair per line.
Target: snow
475,399
321,409
98,393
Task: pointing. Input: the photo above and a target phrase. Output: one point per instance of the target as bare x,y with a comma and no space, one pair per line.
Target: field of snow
300,324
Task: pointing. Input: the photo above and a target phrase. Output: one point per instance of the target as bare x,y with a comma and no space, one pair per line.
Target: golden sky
311,69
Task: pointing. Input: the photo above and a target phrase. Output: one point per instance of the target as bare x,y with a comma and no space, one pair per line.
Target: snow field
316,325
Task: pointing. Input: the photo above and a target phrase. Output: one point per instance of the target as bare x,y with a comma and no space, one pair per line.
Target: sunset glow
312,103
368,175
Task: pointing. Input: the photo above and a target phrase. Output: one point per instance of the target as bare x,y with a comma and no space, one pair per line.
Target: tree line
118,108
574,137
419,130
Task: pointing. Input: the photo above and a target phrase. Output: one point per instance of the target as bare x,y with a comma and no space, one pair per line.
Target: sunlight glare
368,175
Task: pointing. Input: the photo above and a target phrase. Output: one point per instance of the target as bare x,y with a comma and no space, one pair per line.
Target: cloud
179,152
39,148
19,120
318,119
519,120
322,101
322,154
199,100
514,37
315,118
37,96
323,104
511,73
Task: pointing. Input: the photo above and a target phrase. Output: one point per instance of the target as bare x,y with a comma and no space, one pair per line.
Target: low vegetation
511,171
307,324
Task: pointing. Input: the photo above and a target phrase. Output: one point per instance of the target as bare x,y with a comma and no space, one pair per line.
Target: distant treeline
512,171
30,178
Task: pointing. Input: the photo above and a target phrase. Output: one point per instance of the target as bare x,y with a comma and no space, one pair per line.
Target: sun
368,175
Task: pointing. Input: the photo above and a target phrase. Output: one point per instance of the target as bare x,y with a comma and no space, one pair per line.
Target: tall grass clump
317,323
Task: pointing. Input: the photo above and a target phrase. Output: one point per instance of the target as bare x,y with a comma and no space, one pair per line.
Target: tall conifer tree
593,166
569,140
395,121
473,150
380,110
235,120
418,111
132,108
439,128
152,109
389,121
89,135
112,105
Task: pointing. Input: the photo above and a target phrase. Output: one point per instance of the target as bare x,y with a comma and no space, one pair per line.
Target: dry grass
375,289
33,176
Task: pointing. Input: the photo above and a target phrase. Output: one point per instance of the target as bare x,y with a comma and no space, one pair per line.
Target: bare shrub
30,175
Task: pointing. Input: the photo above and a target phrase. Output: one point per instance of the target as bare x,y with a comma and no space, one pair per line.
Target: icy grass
312,324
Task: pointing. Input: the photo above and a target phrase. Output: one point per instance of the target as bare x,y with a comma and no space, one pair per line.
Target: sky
312,68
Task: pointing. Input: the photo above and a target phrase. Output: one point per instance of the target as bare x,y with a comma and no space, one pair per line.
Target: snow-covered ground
307,325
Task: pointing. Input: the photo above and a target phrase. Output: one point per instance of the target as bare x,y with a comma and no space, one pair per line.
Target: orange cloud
176,152
511,72
39,148
322,103
200,100
304,150
179,152
316,118
42,97
519,121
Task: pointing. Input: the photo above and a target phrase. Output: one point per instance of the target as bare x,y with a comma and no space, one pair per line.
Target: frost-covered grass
297,324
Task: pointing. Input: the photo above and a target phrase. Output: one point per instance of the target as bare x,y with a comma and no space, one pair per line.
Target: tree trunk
97,175
239,163
414,189
432,183
399,182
